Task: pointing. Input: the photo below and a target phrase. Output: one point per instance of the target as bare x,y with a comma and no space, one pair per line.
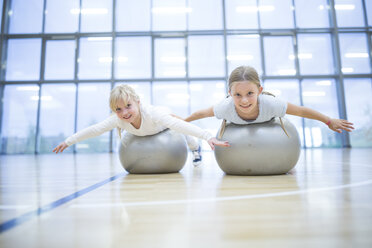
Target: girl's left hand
338,125
215,142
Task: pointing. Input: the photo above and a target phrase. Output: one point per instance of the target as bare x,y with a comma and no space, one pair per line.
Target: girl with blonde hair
141,120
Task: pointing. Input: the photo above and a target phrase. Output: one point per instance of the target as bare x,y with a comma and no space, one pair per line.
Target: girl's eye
128,105
237,94
118,110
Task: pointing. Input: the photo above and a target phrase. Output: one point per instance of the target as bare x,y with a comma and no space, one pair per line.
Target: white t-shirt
153,120
268,107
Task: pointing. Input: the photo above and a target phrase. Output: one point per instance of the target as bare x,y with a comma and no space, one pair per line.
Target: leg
194,146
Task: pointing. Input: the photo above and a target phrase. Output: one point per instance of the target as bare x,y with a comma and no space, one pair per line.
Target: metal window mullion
262,50
44,17
187,62
340,84
225,46
152,68
2,87
297,67
187,72
3,54
364,9
4,39
151,34
77,52
41,77
113,62
369,47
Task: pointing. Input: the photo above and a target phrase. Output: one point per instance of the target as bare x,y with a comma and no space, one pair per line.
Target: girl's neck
138,121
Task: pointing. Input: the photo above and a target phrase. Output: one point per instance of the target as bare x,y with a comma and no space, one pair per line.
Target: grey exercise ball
259,149
164,152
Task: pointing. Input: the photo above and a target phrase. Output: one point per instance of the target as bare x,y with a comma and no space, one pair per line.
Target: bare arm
200,114
334,124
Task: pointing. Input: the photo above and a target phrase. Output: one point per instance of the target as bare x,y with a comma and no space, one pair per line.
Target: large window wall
60,59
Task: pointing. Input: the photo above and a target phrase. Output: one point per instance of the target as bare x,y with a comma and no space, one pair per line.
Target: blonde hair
122,92
245,73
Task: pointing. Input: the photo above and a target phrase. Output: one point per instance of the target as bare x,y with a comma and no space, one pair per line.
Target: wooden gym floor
88,200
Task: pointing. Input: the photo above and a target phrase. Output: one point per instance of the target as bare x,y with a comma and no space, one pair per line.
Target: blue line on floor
46,208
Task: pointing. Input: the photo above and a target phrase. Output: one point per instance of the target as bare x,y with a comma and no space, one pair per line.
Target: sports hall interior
61,59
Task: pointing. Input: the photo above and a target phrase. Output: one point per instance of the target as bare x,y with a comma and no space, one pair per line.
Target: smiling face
128,111
245,95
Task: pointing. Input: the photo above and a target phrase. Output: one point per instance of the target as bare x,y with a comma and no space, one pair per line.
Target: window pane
278,55
315,54
18,128
23,61
312,14
170,60
287,90
241,14
204,94
62,16
96,16
321,96
57,115
206,56
369,11
359,110
244,50
173,95
143,90
354,53
169,15
276,14
95,58
25,16
60,59
93,107
133,15
206,14
349,13
133,57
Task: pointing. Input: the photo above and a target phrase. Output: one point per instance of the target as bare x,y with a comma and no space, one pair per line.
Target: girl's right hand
60,148
338,125
215,142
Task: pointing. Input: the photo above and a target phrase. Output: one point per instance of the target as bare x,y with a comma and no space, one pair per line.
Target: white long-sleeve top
153,120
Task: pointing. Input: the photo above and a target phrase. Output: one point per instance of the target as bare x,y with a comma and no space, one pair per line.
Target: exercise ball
164,152
259,149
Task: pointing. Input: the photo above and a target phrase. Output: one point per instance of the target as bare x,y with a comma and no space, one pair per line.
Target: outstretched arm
200,114
89,132
336,125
